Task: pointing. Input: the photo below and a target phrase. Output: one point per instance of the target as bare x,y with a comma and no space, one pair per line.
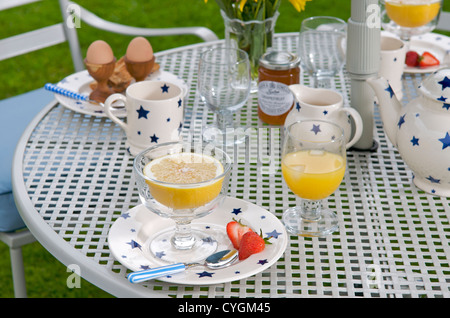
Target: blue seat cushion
16,113
10,218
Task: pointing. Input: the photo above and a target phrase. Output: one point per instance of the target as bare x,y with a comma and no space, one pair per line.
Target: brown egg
139,50
99,52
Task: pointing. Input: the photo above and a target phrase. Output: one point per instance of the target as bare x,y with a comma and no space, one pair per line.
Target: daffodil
242,4
269,5
299,5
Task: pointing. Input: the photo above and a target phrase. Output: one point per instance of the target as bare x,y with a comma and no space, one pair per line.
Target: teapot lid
437,85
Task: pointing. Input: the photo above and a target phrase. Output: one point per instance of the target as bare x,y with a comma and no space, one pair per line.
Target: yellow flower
242,4
299,5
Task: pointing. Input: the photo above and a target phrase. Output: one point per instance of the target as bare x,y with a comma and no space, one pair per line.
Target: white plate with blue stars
80,83
435,43
131,233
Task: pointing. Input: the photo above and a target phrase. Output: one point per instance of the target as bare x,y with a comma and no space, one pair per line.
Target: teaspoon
217,260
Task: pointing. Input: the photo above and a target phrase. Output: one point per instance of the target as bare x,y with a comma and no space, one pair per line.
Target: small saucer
80,83
130,235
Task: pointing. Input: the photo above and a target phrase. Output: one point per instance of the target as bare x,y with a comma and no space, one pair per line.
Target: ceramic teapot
421,130
324,104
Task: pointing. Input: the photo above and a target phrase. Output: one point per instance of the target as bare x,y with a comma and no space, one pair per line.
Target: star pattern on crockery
165,88
316,129
445,141
273,234
401,121
236,211
446,106
180,102
205,274
433,180
160,254
125,215
297,106
134,244
154,138
208,240
445,83
262,261
390,91
415,141
142,113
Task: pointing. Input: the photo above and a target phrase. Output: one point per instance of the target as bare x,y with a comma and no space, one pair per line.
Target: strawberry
427,59
412,58
235,231
251,243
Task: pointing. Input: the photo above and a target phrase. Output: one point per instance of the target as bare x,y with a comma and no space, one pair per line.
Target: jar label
274,98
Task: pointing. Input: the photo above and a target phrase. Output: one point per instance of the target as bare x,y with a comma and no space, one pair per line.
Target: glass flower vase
254,37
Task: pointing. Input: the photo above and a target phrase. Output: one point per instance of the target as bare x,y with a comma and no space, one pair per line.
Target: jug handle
358,125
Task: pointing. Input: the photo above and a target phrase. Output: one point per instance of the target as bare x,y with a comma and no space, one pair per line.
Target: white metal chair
444,21
18,111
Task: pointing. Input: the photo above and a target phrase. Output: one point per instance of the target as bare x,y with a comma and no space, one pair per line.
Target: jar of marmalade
277,70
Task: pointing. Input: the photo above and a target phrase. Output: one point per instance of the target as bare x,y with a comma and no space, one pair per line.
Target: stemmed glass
313,164
182,201
321,45
224,84
407,18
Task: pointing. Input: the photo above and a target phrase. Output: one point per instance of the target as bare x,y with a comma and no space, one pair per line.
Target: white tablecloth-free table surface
73,178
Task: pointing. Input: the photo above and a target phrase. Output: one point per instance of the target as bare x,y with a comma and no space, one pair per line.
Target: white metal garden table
73,178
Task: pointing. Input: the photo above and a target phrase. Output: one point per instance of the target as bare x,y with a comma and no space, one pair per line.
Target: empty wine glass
321,48
407,18
224,83
313,164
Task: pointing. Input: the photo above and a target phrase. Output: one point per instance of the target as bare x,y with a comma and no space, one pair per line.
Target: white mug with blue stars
154,114
392,55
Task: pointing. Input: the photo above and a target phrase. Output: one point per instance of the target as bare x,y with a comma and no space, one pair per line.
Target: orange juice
186,180
412,13
313,174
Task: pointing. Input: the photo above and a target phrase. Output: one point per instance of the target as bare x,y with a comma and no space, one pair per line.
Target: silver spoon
217,260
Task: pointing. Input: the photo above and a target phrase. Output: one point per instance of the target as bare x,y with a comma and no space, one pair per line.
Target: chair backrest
444,21
31,41
72,14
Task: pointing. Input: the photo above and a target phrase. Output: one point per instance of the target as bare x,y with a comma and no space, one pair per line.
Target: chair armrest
93,20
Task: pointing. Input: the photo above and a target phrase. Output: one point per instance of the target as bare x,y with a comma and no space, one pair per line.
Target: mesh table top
393,237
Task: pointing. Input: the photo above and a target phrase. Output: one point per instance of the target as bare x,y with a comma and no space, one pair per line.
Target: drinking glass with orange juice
313,164
406,18
182,181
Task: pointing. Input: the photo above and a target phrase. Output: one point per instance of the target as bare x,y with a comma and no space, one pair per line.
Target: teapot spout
389,106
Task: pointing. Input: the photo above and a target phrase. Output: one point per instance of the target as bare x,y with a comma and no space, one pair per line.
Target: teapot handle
358,125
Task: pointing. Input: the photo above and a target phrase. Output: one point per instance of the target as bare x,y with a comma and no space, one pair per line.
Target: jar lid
277,60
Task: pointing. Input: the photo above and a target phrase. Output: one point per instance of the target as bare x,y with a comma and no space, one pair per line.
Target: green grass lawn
46,276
